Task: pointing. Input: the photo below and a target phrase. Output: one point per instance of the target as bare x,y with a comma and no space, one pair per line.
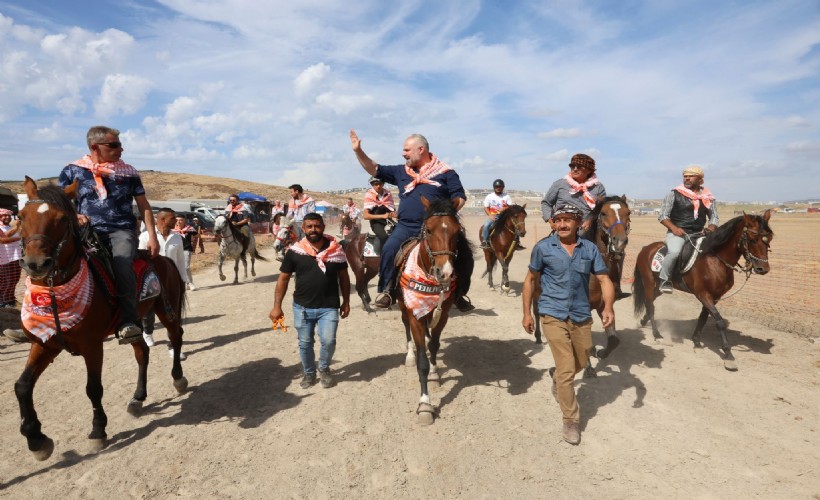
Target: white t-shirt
9,252
171,248
497,203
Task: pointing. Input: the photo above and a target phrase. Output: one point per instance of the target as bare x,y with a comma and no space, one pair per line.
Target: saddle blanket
419,290
690,253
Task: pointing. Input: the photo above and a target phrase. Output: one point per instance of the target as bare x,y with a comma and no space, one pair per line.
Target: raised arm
368,164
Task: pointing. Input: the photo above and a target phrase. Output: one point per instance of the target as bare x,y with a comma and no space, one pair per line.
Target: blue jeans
306,321
387,267
485,230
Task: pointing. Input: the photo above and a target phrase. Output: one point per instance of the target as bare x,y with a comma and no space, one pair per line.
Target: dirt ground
659,420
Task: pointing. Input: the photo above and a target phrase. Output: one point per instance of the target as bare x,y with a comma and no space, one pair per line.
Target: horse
610,229
235,245
427,291
364,268
53,258
505,233
712,275
284,237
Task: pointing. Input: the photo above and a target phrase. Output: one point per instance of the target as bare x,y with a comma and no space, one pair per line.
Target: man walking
320,266
299,206
562,263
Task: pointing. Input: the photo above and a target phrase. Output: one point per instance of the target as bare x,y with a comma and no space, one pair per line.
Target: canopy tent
8,199
247,196
325,204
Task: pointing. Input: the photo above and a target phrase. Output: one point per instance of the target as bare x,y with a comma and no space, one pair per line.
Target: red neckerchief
704,196
425,173
332,253
578,187
110,169
372,199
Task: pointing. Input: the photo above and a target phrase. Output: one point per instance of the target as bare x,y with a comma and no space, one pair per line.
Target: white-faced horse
234,244
285,236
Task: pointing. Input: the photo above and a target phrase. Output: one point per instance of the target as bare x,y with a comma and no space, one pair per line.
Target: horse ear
31,188
524,206
767,215
623,198
71,191
425,202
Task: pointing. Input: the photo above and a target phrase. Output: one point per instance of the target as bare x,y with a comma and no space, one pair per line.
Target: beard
315,237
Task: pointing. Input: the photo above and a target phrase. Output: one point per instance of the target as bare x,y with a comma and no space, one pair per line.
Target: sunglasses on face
112,145
577,167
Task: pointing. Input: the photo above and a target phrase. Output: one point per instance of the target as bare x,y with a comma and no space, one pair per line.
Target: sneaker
182,356
383,300
191,287
572,432
484,245
519,246
130,333
463,304
666,287
325,378
149,339
554,387
308,380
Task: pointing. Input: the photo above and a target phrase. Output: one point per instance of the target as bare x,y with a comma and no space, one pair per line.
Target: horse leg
361,290
175,333
141,354
433,346
38,360
236,271
728,359
489,259
410,359
220,259
505,277
94,391
704,315
425,410
253,261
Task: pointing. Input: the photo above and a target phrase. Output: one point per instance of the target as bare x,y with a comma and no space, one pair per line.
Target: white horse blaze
447,270
615,207
43,208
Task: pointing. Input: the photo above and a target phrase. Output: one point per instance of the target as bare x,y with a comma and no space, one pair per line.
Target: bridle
433,253
606,232
53,272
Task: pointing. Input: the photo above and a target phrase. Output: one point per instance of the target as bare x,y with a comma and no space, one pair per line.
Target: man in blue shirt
562,263
423,174
107,188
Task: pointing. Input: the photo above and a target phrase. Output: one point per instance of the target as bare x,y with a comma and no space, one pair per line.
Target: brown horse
712,275
425,296
52,256
505,233
610,232
364,268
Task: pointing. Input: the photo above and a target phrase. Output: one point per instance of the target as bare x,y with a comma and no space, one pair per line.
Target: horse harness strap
57,328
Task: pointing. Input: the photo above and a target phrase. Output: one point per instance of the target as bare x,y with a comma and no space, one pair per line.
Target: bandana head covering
583,160
5,211
693,170
566,209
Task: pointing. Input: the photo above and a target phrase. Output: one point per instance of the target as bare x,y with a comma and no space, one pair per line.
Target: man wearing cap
378,209
494,203
563,263
579,188
422,174
686,210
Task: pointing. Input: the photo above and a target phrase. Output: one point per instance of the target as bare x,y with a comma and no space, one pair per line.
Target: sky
268,91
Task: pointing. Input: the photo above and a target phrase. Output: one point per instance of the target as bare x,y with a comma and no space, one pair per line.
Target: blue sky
267,91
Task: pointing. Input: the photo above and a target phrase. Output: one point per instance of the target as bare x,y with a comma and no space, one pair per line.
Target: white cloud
310,79
564,133
560,155
122,94
344,104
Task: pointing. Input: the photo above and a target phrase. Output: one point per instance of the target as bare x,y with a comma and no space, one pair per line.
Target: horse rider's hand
680,233
355,142
344,310
82,219
528,324
711,228
585,225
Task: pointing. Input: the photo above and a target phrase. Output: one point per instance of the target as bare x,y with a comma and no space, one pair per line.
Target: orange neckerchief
236,209
426,173
578,187
332,253
704,196
294,204
420,290
183,231
111,169
372,199
73,302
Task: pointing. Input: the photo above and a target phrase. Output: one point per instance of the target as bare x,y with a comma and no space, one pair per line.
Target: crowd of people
560,265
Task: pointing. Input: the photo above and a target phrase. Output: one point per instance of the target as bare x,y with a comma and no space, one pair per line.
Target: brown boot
572,432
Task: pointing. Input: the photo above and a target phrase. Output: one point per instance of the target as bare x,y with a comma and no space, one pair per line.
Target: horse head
49,231
755,241
613,224
221,226
517,215
439,233
285,235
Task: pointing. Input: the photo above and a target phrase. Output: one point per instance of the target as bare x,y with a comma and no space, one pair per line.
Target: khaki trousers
570,344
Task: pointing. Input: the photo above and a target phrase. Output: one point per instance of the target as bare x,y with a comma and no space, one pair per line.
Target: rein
443,289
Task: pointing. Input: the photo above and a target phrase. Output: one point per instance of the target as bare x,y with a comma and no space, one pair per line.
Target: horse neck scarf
110,169
235,209
332,253
426,173
372,199
73,302
705,196
420,290
579,187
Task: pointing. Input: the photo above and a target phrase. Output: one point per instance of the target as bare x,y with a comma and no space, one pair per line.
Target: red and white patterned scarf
235,209
705,196
420,290
294,204
110,169
372,199
332,253
185,230
425,173
73,302
578,187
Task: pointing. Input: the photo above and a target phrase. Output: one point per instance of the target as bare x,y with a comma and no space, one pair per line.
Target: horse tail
638,293
257,256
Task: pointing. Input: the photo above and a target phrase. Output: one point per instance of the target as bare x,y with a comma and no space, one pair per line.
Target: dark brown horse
427,292
712,275
505,233
52,256
610,232
364,268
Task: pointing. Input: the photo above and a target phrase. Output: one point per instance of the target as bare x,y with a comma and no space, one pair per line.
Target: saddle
148,285
372,246
404,251
686,260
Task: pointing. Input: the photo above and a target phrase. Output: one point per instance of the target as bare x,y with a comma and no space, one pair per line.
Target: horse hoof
612,342
589,372
96,445
134,408
222,278
253,273
505,289
45,451
426,414
181,385
730,365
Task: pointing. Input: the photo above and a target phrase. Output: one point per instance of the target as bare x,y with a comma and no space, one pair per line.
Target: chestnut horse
427,291
52,256
505,233
712,275
364,268
610,231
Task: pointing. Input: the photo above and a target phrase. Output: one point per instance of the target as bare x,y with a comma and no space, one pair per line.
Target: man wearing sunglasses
107,188
579,188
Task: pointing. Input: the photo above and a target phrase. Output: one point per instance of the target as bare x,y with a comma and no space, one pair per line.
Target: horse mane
506,214
440,207
593,229
714,241
54,195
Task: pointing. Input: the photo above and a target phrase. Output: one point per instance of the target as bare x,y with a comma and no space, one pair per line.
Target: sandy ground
660,420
